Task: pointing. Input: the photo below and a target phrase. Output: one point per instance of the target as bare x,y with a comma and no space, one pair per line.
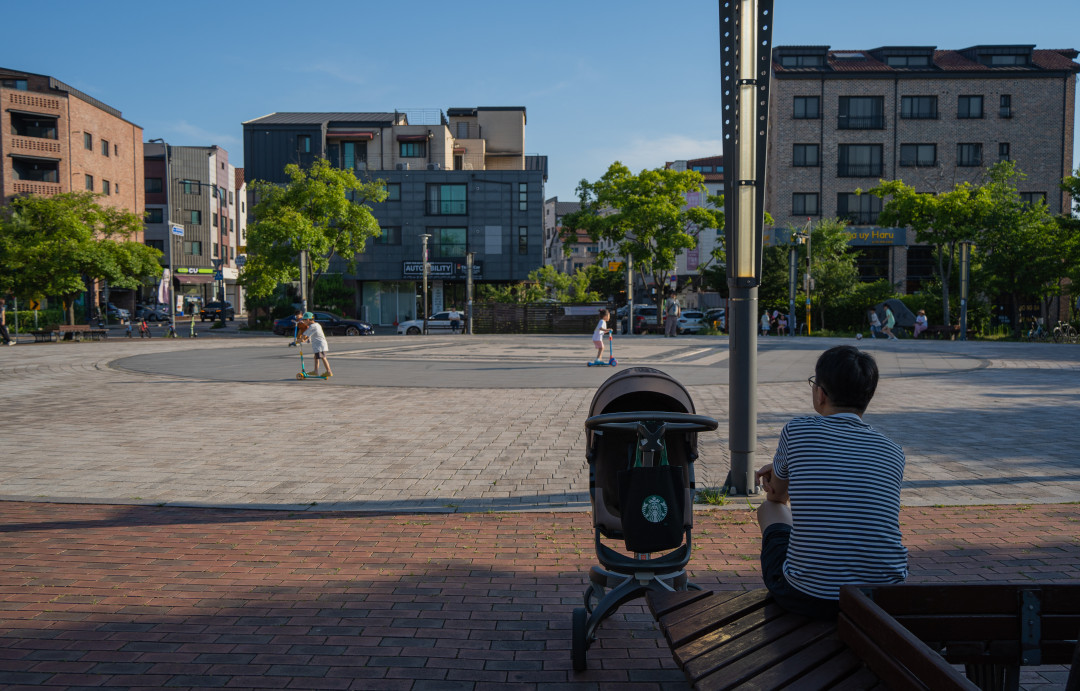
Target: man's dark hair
848,376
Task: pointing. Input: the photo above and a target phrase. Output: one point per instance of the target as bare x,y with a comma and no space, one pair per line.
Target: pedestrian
312,332
671,315
781,325
831,514
920,323
298,316
875,323
599,332
455,320
3,324
765,322
890,322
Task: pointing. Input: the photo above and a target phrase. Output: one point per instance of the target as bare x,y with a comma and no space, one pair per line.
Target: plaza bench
70,332
909,636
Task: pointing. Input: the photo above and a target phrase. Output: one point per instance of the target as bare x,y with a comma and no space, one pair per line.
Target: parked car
119,313
691,322
332,324
213,310
152,313
716,318
436,323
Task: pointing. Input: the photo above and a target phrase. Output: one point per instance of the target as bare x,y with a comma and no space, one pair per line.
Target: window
860,209
116,149
158,245
805,204
17,84
861,113
391,235
447,242
153,185
303,143
393,191
35,169
1033,198
970,107
106,189
872,263
195,217
104,147
447,200
88,141
918,155
523,196
213,222
1005,109
1003,151
155,215
216,256
413,149
523,239
806,155
918,107
807,108
802,61
191,187
89,182
230,198
920,266
969,155
38,126
193,247
859,161
908,61
348,155
116,188
1005,60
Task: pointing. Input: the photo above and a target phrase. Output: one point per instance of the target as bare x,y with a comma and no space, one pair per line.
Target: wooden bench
906,635
45,336
72,332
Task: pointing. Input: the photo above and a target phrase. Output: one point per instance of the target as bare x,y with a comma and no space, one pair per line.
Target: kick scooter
303,373
611,362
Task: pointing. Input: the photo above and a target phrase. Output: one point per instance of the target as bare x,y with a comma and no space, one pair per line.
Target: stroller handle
675,422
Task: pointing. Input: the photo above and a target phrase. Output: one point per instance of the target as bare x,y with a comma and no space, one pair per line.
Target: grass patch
714,496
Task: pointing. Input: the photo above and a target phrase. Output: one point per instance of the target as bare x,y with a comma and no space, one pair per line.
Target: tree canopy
321,210
644,216
50,246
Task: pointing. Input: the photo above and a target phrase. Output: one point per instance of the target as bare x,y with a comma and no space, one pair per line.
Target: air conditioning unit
434,166
402,166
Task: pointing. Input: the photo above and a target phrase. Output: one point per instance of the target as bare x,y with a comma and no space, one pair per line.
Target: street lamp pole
468,292
746,66
425,237
168,237
965,280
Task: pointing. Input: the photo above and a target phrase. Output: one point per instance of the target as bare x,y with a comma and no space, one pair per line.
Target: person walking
3,324
455,320
671,315
890,322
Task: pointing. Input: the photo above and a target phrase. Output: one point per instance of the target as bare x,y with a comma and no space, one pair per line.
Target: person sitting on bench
831,514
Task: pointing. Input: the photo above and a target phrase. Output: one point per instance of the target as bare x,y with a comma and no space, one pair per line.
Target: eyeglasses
812,381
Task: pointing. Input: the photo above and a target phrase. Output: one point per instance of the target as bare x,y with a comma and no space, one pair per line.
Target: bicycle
1037,332
144,330
1065,333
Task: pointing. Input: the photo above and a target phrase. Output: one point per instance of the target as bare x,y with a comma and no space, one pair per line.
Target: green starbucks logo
654,508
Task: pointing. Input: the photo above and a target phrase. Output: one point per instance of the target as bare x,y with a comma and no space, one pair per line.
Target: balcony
33,146
44,189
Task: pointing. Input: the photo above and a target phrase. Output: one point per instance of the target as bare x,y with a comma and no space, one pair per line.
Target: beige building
843,119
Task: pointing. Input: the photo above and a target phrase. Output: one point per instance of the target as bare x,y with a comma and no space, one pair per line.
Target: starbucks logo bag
652,501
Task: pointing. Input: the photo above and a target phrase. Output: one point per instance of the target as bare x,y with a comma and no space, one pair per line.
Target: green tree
331,293
50,246
322,210
832,264
644,216
942,220
1070,224
564,287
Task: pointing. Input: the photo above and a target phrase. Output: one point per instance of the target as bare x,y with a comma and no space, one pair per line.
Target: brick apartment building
843,119
58,139
461,176
208,199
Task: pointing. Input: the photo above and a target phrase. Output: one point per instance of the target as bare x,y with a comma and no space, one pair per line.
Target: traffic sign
35,305
219,276
178,230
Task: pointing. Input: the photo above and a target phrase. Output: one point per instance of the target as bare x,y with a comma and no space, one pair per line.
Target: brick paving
414,543
137,596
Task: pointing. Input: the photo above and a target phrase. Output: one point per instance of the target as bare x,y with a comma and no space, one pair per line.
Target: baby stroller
642,444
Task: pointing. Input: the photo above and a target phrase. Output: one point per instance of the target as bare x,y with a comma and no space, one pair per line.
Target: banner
163,288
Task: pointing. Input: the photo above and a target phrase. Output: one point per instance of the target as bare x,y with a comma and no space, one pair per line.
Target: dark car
332,324
213,310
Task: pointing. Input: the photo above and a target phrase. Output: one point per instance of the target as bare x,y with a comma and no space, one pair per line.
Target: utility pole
170,231
468,292
425,237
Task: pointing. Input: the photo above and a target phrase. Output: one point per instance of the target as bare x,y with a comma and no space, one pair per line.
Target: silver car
436,323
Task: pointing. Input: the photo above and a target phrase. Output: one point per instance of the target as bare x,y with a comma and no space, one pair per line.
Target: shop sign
414,270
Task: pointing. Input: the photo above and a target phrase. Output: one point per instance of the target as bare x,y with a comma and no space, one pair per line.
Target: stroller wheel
580,645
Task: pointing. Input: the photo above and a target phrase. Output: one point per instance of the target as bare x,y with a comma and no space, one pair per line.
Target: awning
412,137
194,279
459,149
350,134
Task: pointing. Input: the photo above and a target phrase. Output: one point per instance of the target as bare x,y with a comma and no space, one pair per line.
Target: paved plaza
186,514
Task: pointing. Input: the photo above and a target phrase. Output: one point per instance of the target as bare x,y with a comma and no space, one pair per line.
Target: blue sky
602,80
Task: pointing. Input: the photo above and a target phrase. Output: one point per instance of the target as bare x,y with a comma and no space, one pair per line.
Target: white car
436,323
691,322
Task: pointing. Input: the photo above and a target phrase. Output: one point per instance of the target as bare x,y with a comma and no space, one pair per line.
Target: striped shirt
844,480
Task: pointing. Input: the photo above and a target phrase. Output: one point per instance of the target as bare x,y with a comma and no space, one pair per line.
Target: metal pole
809,279
742,388
168,235
793,283
468,292
424,237
629,295
965,277
303,280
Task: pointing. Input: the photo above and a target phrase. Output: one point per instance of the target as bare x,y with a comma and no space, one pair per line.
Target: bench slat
739,669
719,637
893,650
862,680
663,603
798,665
708,614
833,673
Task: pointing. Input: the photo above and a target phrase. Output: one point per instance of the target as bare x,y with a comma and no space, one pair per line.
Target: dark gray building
461,177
